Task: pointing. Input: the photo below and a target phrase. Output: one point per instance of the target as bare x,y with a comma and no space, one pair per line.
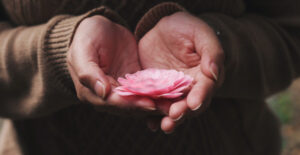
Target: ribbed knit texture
56,45
57,40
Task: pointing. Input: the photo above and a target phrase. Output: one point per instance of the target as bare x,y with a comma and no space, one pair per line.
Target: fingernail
214,71
178,118
196,108
98,86
150,108
146,104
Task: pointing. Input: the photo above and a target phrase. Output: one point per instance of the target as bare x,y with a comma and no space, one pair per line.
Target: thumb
95,79
212,67
85,65
209,67
209,48
211,61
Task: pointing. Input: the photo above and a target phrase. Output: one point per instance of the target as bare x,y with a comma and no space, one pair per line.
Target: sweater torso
31,12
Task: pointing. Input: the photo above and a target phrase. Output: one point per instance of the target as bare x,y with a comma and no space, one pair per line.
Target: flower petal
154,83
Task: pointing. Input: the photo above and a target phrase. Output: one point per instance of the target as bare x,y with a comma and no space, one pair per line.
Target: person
60,61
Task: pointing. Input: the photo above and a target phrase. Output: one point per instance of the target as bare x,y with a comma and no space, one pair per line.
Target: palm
187,44
115,49
102,51
171,50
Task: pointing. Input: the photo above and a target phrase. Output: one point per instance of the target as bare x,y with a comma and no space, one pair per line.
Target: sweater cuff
56,42
152,17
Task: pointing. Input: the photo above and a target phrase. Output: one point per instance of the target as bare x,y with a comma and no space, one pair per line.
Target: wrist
154,15
56,42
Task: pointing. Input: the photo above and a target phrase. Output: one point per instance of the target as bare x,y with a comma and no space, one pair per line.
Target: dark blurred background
286,105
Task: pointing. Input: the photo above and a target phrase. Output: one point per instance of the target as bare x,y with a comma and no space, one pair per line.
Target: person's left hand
185,43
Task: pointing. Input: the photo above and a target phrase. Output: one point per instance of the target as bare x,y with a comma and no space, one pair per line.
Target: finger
84,94
201,92
163,105
88,96
84,62
131,102
178,109
167,125
211,65
212,55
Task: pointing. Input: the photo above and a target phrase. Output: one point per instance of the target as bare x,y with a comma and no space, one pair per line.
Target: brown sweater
261,40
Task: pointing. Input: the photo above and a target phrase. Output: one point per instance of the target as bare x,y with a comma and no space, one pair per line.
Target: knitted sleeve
262,46
34,79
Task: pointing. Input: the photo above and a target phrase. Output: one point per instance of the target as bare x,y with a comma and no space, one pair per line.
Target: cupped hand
185,43
102,51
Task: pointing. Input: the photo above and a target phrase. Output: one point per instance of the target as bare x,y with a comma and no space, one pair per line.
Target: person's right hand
102,51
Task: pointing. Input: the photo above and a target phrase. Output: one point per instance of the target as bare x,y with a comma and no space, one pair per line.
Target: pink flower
155,83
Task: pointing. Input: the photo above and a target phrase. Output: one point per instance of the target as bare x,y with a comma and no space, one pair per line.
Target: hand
185,43
100,52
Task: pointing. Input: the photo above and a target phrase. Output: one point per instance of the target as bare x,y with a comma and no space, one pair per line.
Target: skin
102,51
185,43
